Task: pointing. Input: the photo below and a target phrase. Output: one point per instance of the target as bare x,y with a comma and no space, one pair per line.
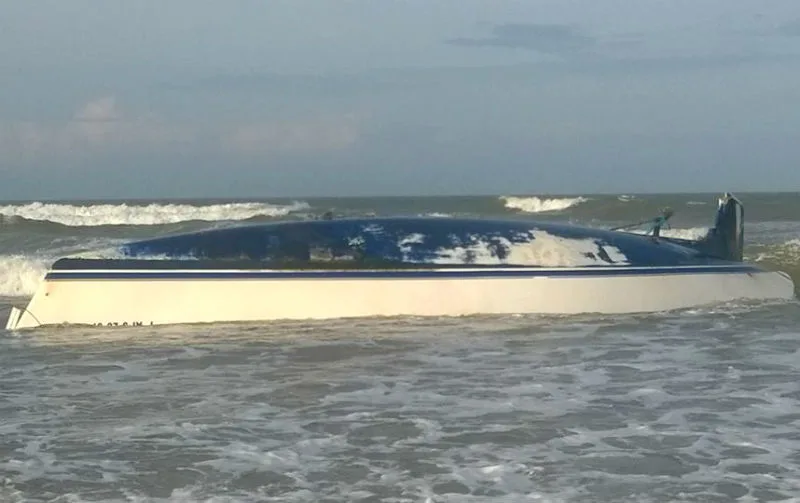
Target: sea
696,405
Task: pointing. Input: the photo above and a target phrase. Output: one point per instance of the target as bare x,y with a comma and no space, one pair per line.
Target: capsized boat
335,268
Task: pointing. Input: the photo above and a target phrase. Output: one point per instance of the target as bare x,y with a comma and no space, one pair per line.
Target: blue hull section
399,243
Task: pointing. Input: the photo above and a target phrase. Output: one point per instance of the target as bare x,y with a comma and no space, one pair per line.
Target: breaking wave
20,275
541,205
151,214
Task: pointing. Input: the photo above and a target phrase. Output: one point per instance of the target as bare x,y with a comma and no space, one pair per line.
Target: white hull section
139,299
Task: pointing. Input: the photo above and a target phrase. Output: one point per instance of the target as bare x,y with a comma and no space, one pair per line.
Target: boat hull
125,298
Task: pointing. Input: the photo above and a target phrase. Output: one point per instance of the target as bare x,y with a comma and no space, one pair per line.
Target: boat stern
14,318
20,317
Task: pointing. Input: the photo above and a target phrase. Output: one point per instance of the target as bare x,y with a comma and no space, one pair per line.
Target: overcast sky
196,98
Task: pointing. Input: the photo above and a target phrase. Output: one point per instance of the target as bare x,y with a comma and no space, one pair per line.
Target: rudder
726,239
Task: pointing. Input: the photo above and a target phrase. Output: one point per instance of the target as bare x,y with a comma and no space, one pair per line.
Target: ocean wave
783,257
21,275
787,253
535,204
151,214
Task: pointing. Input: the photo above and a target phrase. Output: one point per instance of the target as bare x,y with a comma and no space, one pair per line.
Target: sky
201,98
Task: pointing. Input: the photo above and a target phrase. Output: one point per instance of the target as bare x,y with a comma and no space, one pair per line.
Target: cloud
311,135
95,126
100,110
674,48
101,126
553,39
790,29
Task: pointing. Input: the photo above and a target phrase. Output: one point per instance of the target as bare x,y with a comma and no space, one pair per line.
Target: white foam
545,250
21,275
151,214
786,253
540,205
491,410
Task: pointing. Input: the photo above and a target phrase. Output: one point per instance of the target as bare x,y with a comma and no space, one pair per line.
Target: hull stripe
395,274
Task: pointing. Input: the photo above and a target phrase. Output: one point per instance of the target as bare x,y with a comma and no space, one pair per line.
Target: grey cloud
790,29
544,38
